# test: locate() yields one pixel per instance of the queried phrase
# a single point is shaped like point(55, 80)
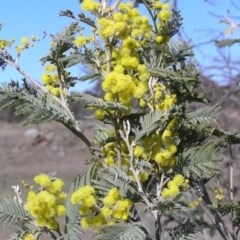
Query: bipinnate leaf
point(35, 104)
point(149, 123)
point(121, 231)
point(205, 115)
point(62, 42)
point(226, 42)
point(72, 226)
point(87, 100)
point(11, 211)
point(200, 160)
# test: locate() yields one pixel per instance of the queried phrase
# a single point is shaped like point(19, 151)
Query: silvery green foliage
point(200, 160)
point(72, 228)
point(186, 231)
point(148, 123)
point(122, 231)
point(28, 228)
point(226, 42)
point(206, 115)
point(33, 103)
point(11, 211)
point(87, 100)
point(62, 42)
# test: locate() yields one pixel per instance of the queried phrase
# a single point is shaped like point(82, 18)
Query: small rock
point(31, 133)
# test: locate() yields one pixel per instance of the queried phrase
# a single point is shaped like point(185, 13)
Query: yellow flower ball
point(24, 40)
point(29, 236)
point(164, 15)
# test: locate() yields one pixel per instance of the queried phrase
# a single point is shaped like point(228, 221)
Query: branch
point(75, 129)
point(231, 179)
point(127, 128)
point(220, 225)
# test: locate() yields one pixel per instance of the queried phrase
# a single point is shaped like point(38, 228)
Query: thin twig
point(37, 84)
point(49, 233)
point(158, 231)
point(119, 148)
point(115, 6)
point(150, 12)
point(75, 129)
point(231, 180)
point(127, 128)
point(209, 216)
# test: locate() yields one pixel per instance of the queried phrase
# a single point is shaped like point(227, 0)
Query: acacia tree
point(160, 155)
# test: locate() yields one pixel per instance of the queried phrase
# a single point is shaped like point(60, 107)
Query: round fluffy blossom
point(112, 197)
point(164, 15)
point(50, 68)
point(19, 49)
point(173, 186)
point(121, 211)
point(80, 41)
point(84, 196)
point(46, 205)
point(24, 40)
point(29, 236)
point(3, 43)
point(42, 179)
point(90, 5)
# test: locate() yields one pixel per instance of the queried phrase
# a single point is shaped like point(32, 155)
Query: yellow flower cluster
point(113, 207)
point(110, 155)
point(127, 78)
point(165, 14)
point(166, 157)
point(25, 44)
point(29, 236)
point(48, 204)
point(219, 193)
point(90, 6)
point(173, 186)
point(126, 75)
point(161, 99)
point(116, 207)
point(24, 40)
point(4, 43)
point(82, 40)
point(85, 196)
point(159, 147)
point(51, 81)
point(195, 203)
